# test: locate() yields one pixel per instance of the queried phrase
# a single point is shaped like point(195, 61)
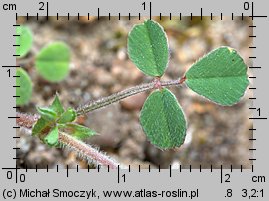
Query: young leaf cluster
point(52, 63)
point(220, 76)
point(55, 119)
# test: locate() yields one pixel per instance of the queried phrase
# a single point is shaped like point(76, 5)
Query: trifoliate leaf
point(148, 48)
point(78, 131)
point(52, 138)
point(47, 113)
point(163, 120)
point(25, 87)
point(68, 116)
point(56, 106)
point(220, 76)
point(52, 62)
point(24, 39)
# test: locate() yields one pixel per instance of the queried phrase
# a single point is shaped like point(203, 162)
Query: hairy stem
point(85, 151)
point(26, 120)
point(102, 102)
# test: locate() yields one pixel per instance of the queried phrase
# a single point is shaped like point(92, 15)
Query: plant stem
point(86, 151)
point(26, 120)
point(102, 102)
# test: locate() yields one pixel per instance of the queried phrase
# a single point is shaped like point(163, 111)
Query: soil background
point(100, 66)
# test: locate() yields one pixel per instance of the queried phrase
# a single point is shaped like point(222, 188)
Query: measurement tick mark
point(252, 139)
point(11, 66)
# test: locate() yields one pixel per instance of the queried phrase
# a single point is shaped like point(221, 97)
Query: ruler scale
point(137, 183)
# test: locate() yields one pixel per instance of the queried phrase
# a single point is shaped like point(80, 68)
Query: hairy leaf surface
point(163, 120)
point(220, 76)
point(148, 48)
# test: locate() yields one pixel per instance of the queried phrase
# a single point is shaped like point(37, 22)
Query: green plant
point(52, 63)
point(25, 89)
point(220, 76)
point(54, 119)
point(24, 40)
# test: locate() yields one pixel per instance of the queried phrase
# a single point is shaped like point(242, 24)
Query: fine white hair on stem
point(102, 102)
point(86, 151)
